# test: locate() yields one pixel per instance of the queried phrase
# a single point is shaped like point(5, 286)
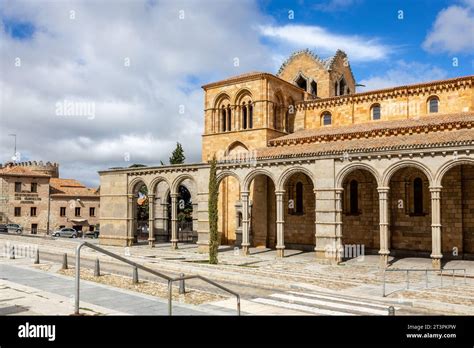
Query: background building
point(29, 190)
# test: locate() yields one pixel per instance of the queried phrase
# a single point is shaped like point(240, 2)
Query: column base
point(436, 262)
point(383, 259)
point(151, 242)
point(245, 249)
point(280, 252)
point(174, 244)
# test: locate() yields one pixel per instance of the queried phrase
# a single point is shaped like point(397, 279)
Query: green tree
point(177, 157)
point(213, 213)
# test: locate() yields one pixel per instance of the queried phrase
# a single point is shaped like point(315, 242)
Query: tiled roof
point(70, 187)
point(15, 170)
point(374, 128)
point(399, 142)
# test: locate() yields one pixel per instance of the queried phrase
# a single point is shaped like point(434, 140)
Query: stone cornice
point(249, 77)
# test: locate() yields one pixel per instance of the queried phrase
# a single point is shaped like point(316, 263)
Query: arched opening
point(223, 120)
point(262, 212)
point(342, 86)
point(229, 222)
point(161, 221)
point(244, 116)
point(301, 82)
point(326, 119)
point(457, 211)
point(250, 112)
point(299, 212)
point(290, 116)
point(410, 212)
point(360, 214)
point(140, 212)
point(186, 212)
point(314, 88)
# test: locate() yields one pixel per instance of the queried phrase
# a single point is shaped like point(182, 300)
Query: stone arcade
point(307, 163)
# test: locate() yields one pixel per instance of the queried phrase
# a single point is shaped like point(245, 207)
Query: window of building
point(34, 228)
point(34, 187)
point(433, 104)
point(33, 211)
point(17, 211)
point(418, 196)
point(244, 116)
point(250, 115)
point(326, 119)
point(18, 187)
point(342, 86)
point(62, 211)
point(223, 120)
point(376, 112)
point(336, 89)
point(354, 197)
point(314, 88)
point(77, 211)
point(62, 226)
point(302, 83)
point(91, 228)
point(229, 119)
point(299, 198)
point(91, 211)
point(275, 117)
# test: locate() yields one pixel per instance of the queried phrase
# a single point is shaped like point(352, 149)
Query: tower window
point(299, 198)
point(433, 104)
point(342, 86)
point(302, 83)
point(244, 116)
point(229, 119)
point(376, 112)
point(250, 116)
point(418, 196)
point(314, 88)
point(275, 117)
point(326, 119)
point(223, 120)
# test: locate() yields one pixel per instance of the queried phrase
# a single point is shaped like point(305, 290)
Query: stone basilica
point(307, 163)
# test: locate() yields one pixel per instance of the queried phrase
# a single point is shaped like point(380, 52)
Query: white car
point(66, 232)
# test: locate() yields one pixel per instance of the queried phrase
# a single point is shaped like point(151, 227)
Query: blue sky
point(76, 51)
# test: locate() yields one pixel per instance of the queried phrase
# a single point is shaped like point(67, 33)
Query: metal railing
point(169, 279)
point(440, 271)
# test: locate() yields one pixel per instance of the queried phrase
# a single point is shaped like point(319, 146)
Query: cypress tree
point(177, 157)
point(213, 213)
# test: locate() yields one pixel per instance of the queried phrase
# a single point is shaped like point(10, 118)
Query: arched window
point(336, 88)
point(250, 115)
point(275, 117)
point(287, 121)
point(418, 196)
point(342, 86)
point(229, 118)
point(244, 116)
point(354, 197)
point(223, 120)
point(433, 104)
point(376, 112)
point(314, 88)
point(299, 198)
point(301, 82)
point(326, 119)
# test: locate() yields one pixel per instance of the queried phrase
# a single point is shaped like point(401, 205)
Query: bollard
point(391, 310)
point(64, 266)
point(182, 289)
point(97, 268)
point(135, 275)
point(12, 252)
point(37, 257)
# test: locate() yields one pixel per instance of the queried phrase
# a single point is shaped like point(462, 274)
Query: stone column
point(244, 197)
point(436, 254)
point(174, 220)
point(131, 220)
point(280, 246)
point(384, 251)
point(338, 247)
point(151, 220)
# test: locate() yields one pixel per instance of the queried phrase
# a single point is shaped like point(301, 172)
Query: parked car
point(92, 234)
point(14, 228)
point(66, 232)
point(3, 228)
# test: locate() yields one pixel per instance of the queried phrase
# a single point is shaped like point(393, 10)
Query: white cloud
point(136, 107)
point(403, 73)
point(324, 42)
point(453, 30)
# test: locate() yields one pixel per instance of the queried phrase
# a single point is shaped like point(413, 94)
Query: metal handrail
point(407, 270)
point(146, 269)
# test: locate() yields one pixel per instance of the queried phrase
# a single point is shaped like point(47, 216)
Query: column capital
point(279, 192)
point(174, 195)
point(339, 189)
point(435, 188)
point(151, 196)
point(244, 194)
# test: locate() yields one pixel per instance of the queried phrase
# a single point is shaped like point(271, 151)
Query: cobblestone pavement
point(264, 279)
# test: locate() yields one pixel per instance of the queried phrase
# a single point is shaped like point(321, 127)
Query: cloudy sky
point(106, 83)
